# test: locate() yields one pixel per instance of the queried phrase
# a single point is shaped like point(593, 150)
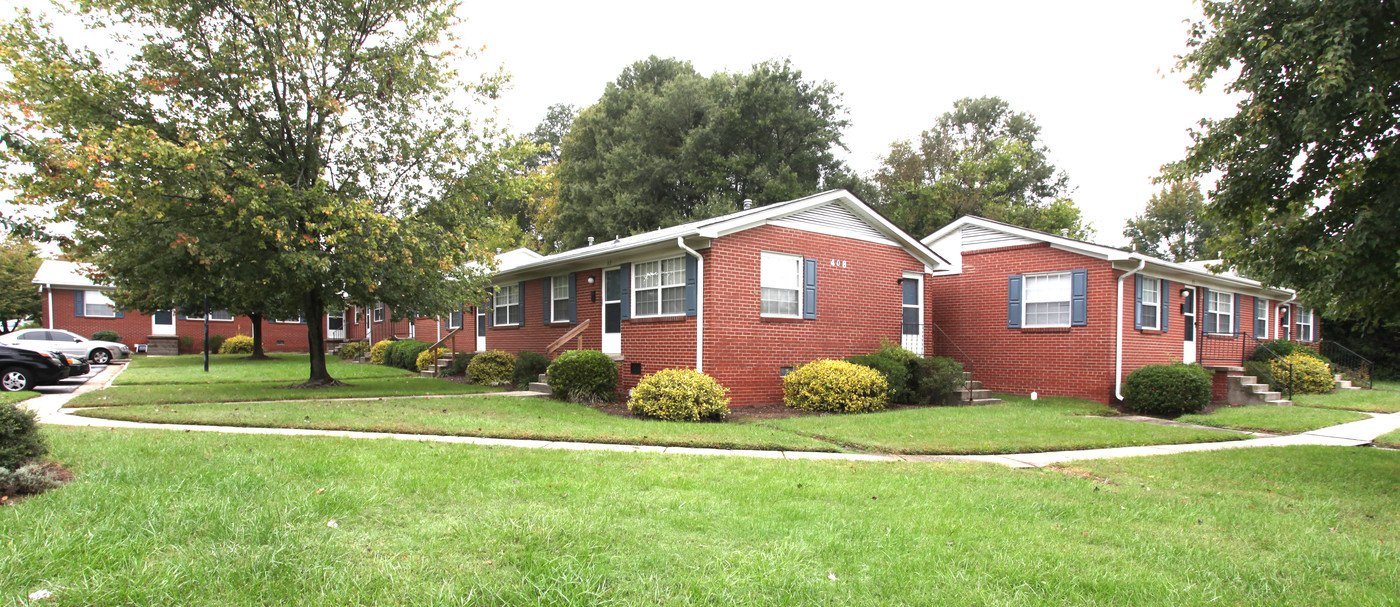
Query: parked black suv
point(22, 369)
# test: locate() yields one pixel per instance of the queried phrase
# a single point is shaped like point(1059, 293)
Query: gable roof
point(58, 273)
point(1191, 272)
point(839, 206)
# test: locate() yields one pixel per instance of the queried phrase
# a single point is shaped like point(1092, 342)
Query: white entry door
point(911, 330)
point(1188, 340)
point(163, 323)
point(612, 311)
point(335, 326)
point(480, 329)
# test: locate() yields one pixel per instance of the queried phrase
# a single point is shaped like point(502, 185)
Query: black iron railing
point(1223, 349)
point(1351, 366)
point(1262, 362)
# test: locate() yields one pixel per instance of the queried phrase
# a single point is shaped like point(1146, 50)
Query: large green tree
point(314, 151)
point(1309, 166)
point(1176, 225)
point(665, 145)
point(981, 158)
point(19, 299)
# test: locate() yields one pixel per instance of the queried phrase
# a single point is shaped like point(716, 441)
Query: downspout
point(1118, 363)
point(699, 304)
point(50, 290)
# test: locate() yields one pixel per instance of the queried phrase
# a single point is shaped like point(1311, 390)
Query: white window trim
point(450, 327)
point(632, 287)
point(1156, 284)
point(498, 304)
point(378, 314)
point(1305, 324)
point(87, 297)
point(1266, 305)
point(1228, 313)
point(800, 285)
point(554, 299)
point(1026, 300)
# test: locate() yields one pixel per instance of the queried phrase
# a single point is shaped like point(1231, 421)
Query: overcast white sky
point(1097, 75)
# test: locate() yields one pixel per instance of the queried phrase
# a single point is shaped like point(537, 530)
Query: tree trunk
point(316, 342)
point(258, 353)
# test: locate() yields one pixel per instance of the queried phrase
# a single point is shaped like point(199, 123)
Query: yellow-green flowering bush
point(426, 357)
point(679, 395)
point(1310, 375)
point(238, 344)
point(376, 353)
point(491, 368)
point(836, 386)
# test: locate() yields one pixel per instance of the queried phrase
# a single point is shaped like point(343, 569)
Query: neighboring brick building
point(1038, 312)
point(743, 297)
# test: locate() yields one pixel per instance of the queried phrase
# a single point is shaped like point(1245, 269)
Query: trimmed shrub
point(20, 440)
point(107, 335)
point(352, 350)
point(216, 343)
point(1283, 348)
point(428, 356)
point(937, 378)
point(683, 395)
point(528, 367)
point(460, 361)
point(1167, 390)
point(238, 344)
point(896, 373)
point(491, 368)
point(404, 354)
point(836, 386)
point(377, 351)
point(1309, 374)
point(583, 376)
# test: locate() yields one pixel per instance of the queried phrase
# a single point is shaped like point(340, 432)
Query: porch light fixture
point(1186, 292)
point(590, 280)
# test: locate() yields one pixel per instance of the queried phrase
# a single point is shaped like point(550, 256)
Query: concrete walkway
point(51, 411)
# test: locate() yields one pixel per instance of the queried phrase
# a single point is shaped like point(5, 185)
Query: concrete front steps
point(443, 362)
point(1343, 384)
point(972, 393)
point(542, 386)
point(1246, 390)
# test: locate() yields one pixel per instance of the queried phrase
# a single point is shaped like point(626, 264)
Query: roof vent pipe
point(748, 203)
point(590, 241)
point(498, 250)
point(1064, 232)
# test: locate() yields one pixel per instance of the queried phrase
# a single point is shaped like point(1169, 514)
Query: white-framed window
point(454, 320)
point(291, 321)
point(1261, 318)
point(658, 288)
point(1305, 325)
point(507, 306)
point(96, 303)
point(1221, 305)
point(559, 299)
point(780, 285)
point(220, 315)
point(1151, 303)
point(1047, 300)
point(378, 312)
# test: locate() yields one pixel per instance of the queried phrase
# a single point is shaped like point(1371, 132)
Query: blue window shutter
point(548, 291)
point(1211, 319)
point(1013, 302)
point(692, 278)
point(1236, 318)
point(573, 298)
point(1137, 302)
point(1164, 301)
point(522, 303)
point(1079, 298)
point(120, 314)
point(809, 289)
point(625, 271)
point(78, 303)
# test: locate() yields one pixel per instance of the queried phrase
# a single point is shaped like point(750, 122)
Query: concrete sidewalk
point(50, 410)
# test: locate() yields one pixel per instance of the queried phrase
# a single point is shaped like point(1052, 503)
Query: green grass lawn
point(211, 393)
point(1389, 439)
point(231, 368)
point(1019, 425)
point(14, 397)
point(1273, 418)
point(166, 518)
point(1385, 398)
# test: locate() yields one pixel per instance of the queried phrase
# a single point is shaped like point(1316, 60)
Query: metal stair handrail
point(1360, 366)
point(1262, 367)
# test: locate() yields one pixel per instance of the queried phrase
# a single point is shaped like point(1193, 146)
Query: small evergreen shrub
point(107, 335)
point(491, 368)
point(583, 376)
point(427, 357)
point(528, 367)
point(1167, 390)
point(33, 479)
point(404, 354)
point(837, 386)
point(895, 372)
point(20, 440)
point(1309, 375)
point(352, 350)
point(216, 343)
point(238, 344)
point(683, 395)
point(1283, 348)
point(460, 361)
point(377, 351)
point(937, 378)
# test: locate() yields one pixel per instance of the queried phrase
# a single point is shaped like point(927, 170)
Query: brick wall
point(134, 327)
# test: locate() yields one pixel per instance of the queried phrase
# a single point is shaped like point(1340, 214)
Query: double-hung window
point(1305, 325)
point(1261, 318)
point(378, 312)
point(658, 288)
point(508, 305)
point(559, 299)
point(96, 303)
point(454, 320)
point(1047, 300)
point(220, 315)
point(780, 285)
point(1151, 303)
point(1222, 307)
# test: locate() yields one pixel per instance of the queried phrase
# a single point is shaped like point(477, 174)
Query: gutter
point(699, 304)
point(1118, 361)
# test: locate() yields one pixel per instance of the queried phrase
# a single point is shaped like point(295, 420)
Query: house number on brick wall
point(838, 263)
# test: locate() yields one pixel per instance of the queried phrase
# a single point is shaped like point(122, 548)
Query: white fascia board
point(1190, 276)
point(603, 259)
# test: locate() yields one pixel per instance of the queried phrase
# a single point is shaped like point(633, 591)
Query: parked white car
point(57, 340)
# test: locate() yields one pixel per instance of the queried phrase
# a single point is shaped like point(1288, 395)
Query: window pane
point(612, 285)
point(1047, 287)
point(1149, 292)
point(673, 300)
point(780, 271)
point(646, 275)
point(778, 301)
point(1149, 316)
point(911, 292)
point(92, 309)
point(647, 304)
point(1048, 314)
point(673, 272)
